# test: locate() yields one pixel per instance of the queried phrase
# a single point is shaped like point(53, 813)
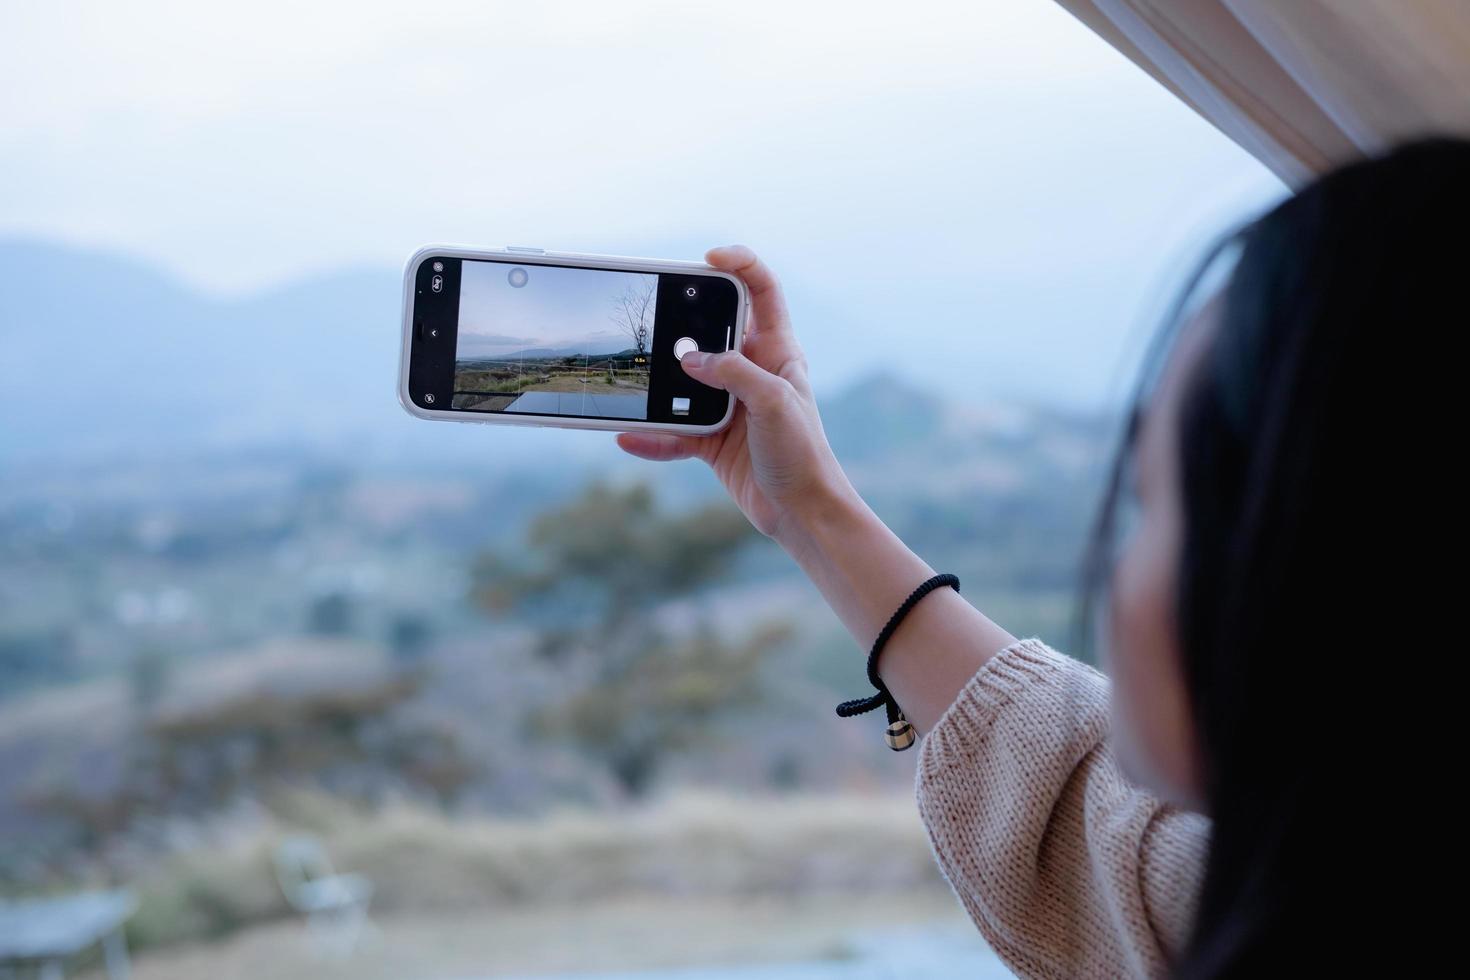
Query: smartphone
point(523, 336)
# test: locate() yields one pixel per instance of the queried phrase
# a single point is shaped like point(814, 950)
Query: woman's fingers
point(659, 446)
point(762, 392)
point(765, 291)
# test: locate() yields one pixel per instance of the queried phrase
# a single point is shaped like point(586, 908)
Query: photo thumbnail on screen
point(551, 340)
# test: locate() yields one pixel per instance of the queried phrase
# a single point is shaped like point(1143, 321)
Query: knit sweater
point(1067, 869)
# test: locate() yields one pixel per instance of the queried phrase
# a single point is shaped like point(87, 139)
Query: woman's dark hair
point(1319, 566)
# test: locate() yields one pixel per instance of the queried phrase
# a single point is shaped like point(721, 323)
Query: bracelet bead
point(900, 735)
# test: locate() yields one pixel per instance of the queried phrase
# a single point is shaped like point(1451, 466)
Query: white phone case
point(537, 256)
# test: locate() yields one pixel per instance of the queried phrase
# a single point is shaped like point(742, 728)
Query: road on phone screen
point(552, 387)
point(581, 403)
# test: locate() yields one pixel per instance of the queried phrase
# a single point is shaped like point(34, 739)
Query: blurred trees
point(350, 736)
point(644, 680)
point(149, 674)
point(409, 635)
point(35, 657)
point(330, 614)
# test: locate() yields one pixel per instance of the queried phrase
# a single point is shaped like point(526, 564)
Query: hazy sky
point(555, 308)
point(981, 194)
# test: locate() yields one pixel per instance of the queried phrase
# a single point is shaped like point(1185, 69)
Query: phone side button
point(525, 249)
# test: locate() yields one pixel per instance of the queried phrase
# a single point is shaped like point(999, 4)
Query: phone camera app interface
point(535, 338)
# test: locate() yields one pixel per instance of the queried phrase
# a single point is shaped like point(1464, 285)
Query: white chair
point(335, 905)
point(40, 935)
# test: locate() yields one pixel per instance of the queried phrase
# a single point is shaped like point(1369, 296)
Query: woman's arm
point(864, 571)
point(776, 464)
point(1066, 869)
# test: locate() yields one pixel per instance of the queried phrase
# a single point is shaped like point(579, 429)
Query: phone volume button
point(525, 249)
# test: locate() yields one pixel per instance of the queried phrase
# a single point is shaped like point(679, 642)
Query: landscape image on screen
point(553, 341)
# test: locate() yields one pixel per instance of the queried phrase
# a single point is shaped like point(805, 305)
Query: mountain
point(102, 357)
point(105, 358)
point(102, 354)
point(537, 353)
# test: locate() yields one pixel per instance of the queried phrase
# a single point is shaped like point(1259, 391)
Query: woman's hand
point(773, 458)
point(775, 462)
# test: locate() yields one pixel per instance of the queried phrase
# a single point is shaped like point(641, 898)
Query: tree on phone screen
point(633, 311)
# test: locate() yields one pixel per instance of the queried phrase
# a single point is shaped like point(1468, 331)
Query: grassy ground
point(688, 849)
point(565, 381)
point(625, 935)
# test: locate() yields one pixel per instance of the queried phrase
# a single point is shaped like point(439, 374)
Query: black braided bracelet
point(900, 734)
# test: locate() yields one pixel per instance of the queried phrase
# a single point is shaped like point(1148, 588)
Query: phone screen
point(520, 338)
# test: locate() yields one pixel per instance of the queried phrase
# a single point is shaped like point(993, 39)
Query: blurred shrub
point(408, 637)
point(206, 895)
point(330, 615)
point(191, 761)
point(31, 658)
point(596, 569)
point(149, 673)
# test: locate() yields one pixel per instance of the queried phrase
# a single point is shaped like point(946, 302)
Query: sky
point(555, 308)
point(980, 195)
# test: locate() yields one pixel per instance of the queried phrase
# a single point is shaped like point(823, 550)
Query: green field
point(598, 376)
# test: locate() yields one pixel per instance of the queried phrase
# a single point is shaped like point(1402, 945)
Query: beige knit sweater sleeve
point(1066, 868)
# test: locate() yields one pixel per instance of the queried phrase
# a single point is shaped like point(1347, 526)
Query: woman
point(1238, 799)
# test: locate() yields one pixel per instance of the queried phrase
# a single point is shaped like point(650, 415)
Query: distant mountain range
point(541, 353)
point(104, 355)
point(105, 358)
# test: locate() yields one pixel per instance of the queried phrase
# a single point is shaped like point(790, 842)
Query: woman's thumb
point(732, 371)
